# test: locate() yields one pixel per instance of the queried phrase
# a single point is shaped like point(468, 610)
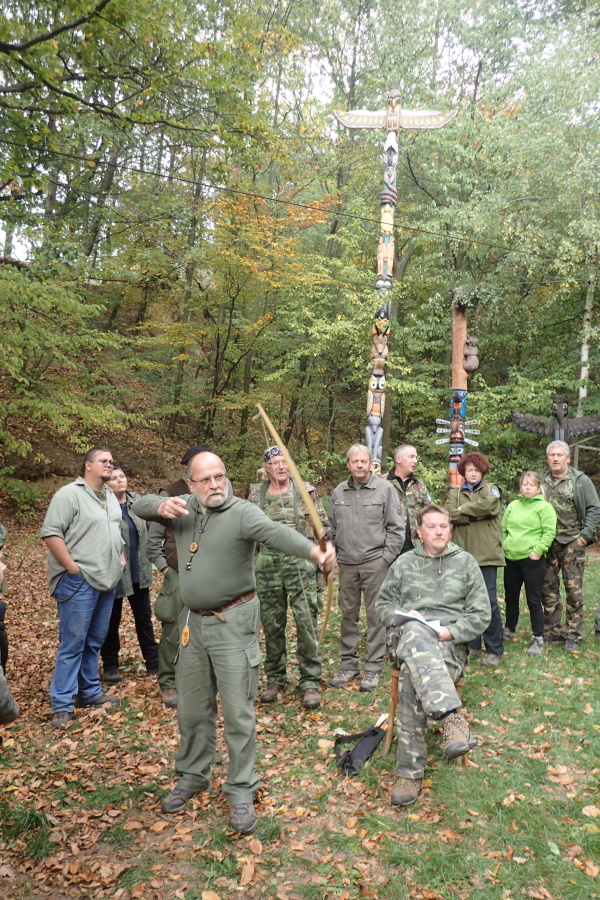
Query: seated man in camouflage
point(436, 580)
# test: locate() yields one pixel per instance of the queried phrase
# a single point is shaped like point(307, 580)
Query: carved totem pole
point(392, 120)
point(465, 360)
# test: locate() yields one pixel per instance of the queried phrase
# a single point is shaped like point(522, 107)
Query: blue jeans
point(83, 615)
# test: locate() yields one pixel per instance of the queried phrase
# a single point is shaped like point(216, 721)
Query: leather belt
point(231, 605)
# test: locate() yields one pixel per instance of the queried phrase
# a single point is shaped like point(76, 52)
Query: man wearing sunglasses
point(215, 533)
point(82, 531)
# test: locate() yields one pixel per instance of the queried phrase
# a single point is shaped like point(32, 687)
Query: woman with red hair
point(474, 509)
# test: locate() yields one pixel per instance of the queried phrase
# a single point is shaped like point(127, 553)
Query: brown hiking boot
point(457, 738)
point(311, 699)
point(406, 791)
point(169, 698)
point(271, 692)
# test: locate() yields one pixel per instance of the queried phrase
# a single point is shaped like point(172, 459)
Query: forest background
point(188, 231)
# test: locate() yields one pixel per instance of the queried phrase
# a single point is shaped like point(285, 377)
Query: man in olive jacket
point(576, 504)
point(219, 651)
point(435, 581)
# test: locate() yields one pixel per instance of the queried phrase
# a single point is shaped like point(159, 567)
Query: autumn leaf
point(255, 846)
point(591, 811)
point(247, 873)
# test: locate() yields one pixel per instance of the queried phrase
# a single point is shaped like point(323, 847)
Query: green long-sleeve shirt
point(222, 569)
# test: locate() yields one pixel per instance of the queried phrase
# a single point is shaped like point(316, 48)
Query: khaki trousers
point(221, 658)
point(364, 579)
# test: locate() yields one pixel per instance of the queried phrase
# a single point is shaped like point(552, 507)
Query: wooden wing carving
point(361, 118)
point(424, 119)
point(533, 424)
point(583, 425)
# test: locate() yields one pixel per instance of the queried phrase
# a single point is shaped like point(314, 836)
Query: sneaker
point(169, 698)
point(272, 692)
point(370, 681)
point(112, 676)
point(491, 660)
point(243, 818)
point(176, 800)
point(60, 720)
point(536, 647)
point(98, 703)
point(343, 677)
point(311, 699)
point(406, 791)
point(458, 738)
point(571, 645)
point(509, 635)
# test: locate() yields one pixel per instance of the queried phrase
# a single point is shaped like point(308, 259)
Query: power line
point(451, 236)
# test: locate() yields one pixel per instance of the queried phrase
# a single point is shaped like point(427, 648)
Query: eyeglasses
point(219, 478)
point(105, 462)
point(277, 465)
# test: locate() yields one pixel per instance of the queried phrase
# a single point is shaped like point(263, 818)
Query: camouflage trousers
point(428, 671)
point(281, 579)
point(568, 560)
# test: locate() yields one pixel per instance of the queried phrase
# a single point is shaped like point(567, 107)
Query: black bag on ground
point(365, 742)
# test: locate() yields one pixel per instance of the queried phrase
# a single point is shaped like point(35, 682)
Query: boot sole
point(456, 749)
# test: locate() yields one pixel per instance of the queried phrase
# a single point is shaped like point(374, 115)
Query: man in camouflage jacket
point(281, 579)
point(412, 492)
point(436, 581)
point(577, 508)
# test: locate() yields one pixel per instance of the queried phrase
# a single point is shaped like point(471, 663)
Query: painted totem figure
point(465, 359)
point(392, 120)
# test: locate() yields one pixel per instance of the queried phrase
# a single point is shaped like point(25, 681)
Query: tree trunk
point(91, 237)
point(189, 284)
point(585, 344)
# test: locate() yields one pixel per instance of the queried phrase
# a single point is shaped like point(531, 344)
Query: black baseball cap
point(194, 451)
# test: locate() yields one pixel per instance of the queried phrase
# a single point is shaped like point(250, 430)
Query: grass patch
point(136, 874)
point(117, 836)
point(268, 830)
point(108, 796)
point(217, 868)
point(26, 830)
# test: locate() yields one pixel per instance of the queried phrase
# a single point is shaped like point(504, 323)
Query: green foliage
point(25, 496)
point(200, 235)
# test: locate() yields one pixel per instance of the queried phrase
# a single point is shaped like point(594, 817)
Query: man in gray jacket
point(216, 533)
point(367, 530)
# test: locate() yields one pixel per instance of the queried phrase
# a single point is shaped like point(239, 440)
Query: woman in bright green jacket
point(528, 527)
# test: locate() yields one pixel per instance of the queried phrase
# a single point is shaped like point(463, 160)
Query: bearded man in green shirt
point(216, 533)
